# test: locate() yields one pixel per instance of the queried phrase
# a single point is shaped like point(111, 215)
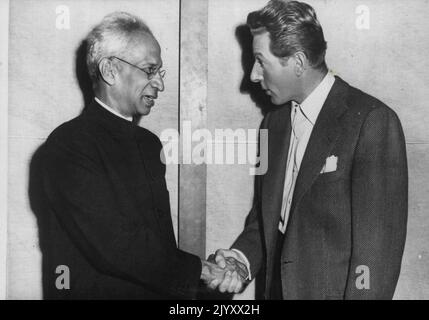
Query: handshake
point(225, 270)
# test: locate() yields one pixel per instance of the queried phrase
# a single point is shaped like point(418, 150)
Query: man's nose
point(256, 74)
point(157, 82)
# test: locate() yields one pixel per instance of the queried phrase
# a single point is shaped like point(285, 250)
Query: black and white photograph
point(214, 150)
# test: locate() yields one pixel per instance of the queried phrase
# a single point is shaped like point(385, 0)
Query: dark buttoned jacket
point(107, 213)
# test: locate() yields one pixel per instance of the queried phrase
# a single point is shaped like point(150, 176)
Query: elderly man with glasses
point(107, 205)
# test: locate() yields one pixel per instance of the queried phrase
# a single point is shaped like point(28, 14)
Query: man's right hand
point(238, 273)
point(213, 275)
point(210, 271)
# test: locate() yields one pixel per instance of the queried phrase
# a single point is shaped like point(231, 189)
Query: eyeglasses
point(151, 72)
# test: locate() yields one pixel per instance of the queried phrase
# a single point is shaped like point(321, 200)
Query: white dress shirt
point(110, 109)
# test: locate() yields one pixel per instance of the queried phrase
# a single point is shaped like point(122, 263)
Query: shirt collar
point(312, 105)
point(110, 109)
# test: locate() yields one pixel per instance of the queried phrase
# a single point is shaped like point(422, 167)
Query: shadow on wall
point(38, 206)
point(82, 74)
point(35, 189)
point(258, 96)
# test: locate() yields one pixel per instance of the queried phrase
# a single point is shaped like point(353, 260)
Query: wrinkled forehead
point(145, 48)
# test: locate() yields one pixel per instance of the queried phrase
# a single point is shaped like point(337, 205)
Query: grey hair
point(111, 37)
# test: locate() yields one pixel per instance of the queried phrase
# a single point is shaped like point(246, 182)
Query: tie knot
point(295, 105)
point(296, 111)
point(298, 120)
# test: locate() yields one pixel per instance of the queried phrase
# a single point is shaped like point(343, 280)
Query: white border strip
point(4, 48)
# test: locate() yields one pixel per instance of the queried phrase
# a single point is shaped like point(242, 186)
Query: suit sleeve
point(83, 201)
point(250, 241)
point(379, 207)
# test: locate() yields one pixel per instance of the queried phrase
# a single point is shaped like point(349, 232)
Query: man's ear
point(108, 71)
point(301, 63)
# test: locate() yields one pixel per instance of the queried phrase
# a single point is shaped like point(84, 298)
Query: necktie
point(292, 165)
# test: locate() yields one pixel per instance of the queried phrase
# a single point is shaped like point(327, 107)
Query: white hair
point(111, 38)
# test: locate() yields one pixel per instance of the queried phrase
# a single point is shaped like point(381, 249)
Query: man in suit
point(329, 216)
point(107, 214)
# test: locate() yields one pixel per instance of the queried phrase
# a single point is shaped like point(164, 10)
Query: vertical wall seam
point(4, 55)
point(178, 120)
point(193, 102)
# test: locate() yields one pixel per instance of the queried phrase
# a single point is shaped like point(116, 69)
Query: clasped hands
point(225, 271)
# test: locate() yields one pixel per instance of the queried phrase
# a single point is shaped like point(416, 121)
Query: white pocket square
point(330, 164)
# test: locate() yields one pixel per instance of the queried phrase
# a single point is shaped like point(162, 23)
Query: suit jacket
point(341, 223)
point(107, 214)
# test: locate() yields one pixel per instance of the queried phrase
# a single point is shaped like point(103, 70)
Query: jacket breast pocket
point(331, 176)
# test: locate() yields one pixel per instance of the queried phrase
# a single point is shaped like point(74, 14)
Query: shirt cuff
point(245, 261)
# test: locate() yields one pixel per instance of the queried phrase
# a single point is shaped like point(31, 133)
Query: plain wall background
point(44, 92)
point(388, 61)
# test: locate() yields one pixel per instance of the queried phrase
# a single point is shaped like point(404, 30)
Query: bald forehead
point(144, 41)
point(144, 46)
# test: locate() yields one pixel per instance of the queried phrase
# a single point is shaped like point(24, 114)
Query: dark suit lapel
point(322, 139)
point(278, 147)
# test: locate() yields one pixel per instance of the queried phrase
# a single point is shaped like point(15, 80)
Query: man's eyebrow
point(156, 65)
point(145, 63)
